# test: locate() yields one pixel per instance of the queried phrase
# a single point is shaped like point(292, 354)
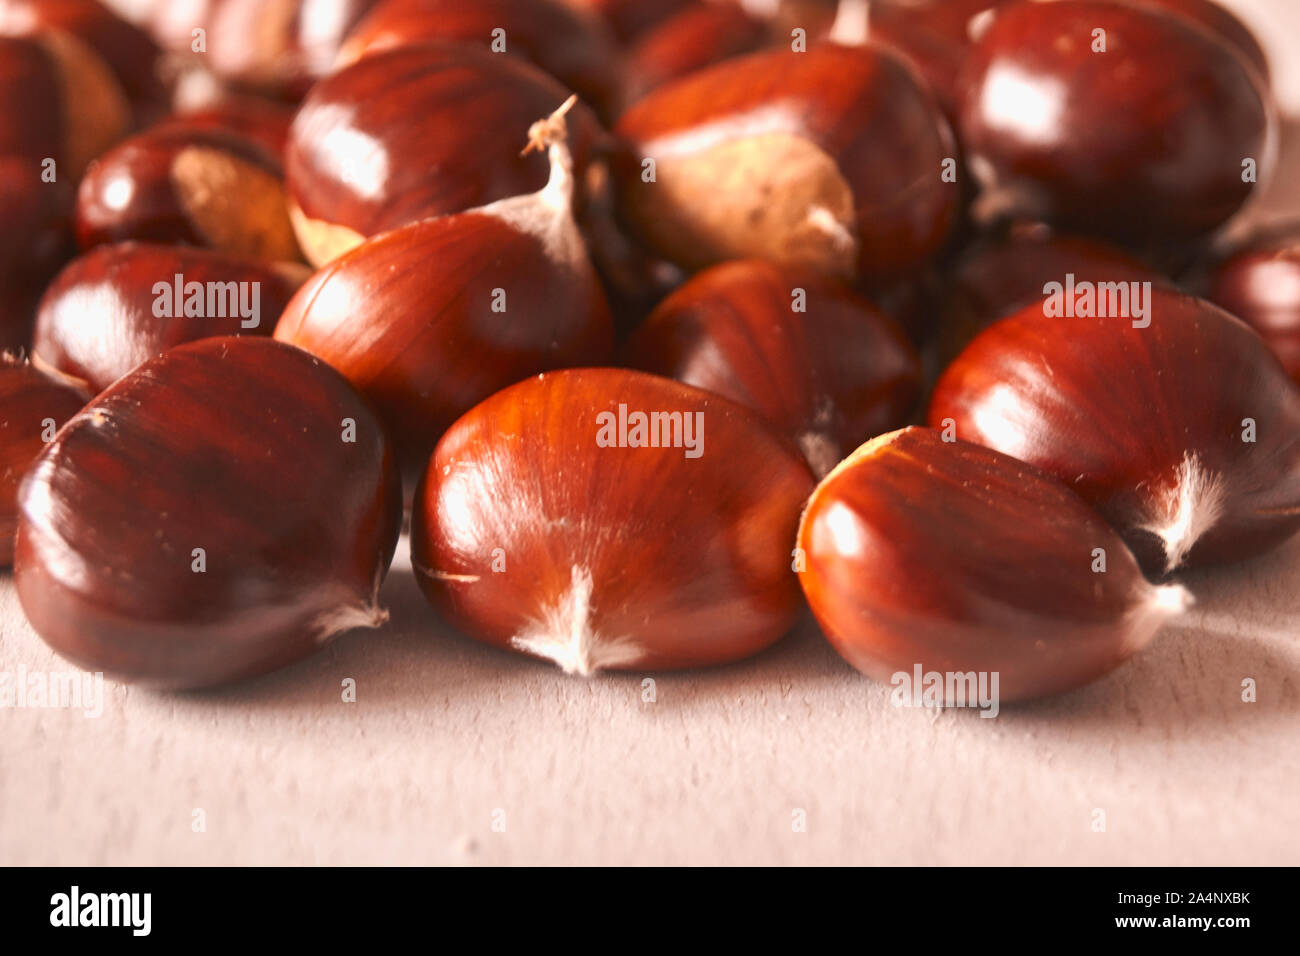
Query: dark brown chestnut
point(60, 102)
point(1122, 121)
point(573, 46)
point(126, 49)
point(1165, 413)
point(608, 519)
point(831, 159)
point(924, 556)
point(33, 406)
point(120, 305)
point(822, 364)
point(1002, 273)
point(225, 509)
point(413, 133)
point(1259, 283)
point(698, 36)
point(188, 184)
point(429, 319)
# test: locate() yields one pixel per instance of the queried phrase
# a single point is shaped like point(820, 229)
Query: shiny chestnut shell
point(1259, 283)
point(199, 186)
point(1152, 425)
point(233, 445)
point(410, 318)
point(413, 133)
point(575, 48)
point(100, 318)
point(955, 559)
point(827, 377)
point(1143, 143)
point(33, 406)
point(1001, 274)
point(830, 158)
point(529, 534)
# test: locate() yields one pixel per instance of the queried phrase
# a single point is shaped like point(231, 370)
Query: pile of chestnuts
point(660, 323)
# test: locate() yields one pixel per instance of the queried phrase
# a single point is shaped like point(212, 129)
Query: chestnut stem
point(564, 634)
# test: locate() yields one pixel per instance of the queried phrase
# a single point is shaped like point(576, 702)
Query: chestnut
point(1002, 273)
point(1168, 415)
point(698, 36)
point(1147, 141)
point(822, 364)
point(59, 101)
point(432, 318)
point(33, 406)
point(609, 519)
point(188, 184)
point(173, 533)
point(128, 51)
point(949, 558)
point(571, 45)
point(1259, 283)
point(119, 305)
point(412, 133)
point(830, 159)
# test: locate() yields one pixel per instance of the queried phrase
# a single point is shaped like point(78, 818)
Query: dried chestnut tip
point(1169, 416)
point(956, 558)
point(543, 526)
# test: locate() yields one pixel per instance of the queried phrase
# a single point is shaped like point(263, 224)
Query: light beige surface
point(447, 737)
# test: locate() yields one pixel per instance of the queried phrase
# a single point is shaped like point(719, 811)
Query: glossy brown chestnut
point(542, 526)
point(432, 318)
point(59, 101)
point(118, 306)
point(830, 159)
point(952, 559)
point(698, 36)
point(225, 509)
point(573, 46)
point(413, 133)
point(1003, 273)
point(823, 365)
point(276, 47)
point(1259, 283)
point(127, 50)
point(1184, 432)
point(33, 406)
point(188, 184)
point(1147, 142)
